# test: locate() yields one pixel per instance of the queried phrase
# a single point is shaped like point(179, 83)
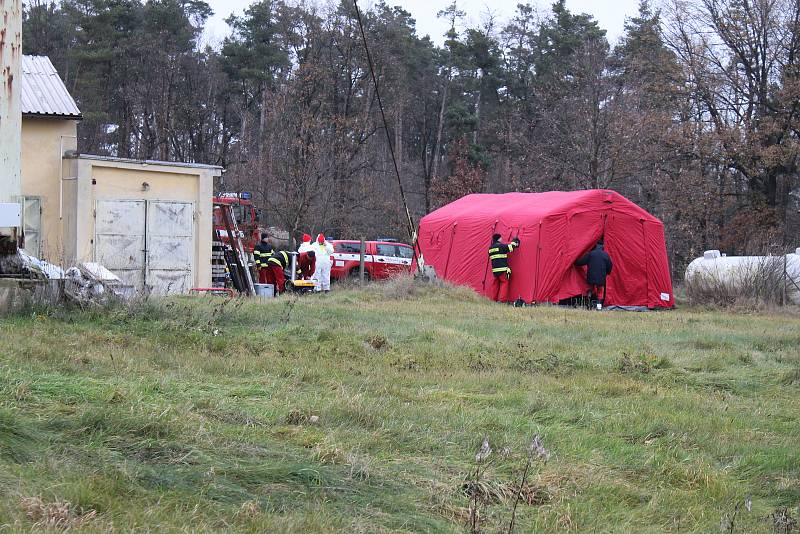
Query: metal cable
point(411, 232)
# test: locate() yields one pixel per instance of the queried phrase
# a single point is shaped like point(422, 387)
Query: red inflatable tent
point(555, 229)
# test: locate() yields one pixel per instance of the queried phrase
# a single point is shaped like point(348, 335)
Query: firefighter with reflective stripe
point(261, 253)
point(501, 272)
point(277, 262)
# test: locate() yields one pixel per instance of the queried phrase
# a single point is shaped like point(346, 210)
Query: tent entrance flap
point(625, 243)
point(585, 229)
point(524, 263)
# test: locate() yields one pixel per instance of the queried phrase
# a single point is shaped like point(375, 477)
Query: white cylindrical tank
point(741, 270)
point(10, 110)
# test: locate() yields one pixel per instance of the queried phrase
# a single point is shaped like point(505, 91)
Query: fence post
point(361, 262)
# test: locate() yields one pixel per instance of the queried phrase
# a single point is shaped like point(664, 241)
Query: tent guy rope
point(411, 231)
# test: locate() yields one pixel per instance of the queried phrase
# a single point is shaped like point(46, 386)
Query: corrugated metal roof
point(43, 92)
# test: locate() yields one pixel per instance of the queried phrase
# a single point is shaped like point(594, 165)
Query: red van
point(382, 259)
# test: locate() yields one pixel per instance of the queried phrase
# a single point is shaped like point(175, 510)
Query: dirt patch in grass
point(59, 515)
point(378, 342)
point(492, 492)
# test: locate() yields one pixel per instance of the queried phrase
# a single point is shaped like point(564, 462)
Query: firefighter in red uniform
point(261, 253)
point(306, 262)
point(498, 254)
point(277, 262)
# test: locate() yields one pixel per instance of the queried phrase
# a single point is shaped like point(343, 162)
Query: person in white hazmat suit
point(322, 271)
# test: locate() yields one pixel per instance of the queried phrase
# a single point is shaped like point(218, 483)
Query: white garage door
point(170, 246)
point(148, 244)
point(119, 242)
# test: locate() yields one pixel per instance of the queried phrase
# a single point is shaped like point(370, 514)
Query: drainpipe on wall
point(61, 174)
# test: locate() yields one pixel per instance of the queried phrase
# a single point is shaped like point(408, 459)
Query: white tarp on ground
point(37, 266)
point(98, 272)
point(88, 282)
point(93, 283)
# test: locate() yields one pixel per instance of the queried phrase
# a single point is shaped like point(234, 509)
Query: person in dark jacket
point(261, 253)
point(599, 266)
point(501, 272)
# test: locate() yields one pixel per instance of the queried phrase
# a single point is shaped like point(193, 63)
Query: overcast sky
point(610, 14)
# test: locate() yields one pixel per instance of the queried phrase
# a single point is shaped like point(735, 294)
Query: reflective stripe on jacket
point(261, 254)
point(498, 254)
point(280, 258)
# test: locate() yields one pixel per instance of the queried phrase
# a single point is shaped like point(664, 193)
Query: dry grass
point(363, 413)
point(403, 287)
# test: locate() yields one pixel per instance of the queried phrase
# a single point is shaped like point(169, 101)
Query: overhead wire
point(411, 231)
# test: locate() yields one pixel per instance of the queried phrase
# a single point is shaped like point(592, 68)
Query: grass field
point(362, 411)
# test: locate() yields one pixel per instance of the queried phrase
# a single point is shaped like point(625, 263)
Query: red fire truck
point(247, 218)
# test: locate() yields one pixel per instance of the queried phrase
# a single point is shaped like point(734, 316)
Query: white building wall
point(10, 110)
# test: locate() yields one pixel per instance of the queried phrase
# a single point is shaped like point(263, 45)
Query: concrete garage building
point(150, 222)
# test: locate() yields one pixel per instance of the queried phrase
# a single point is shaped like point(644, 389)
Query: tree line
point(694, 113)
